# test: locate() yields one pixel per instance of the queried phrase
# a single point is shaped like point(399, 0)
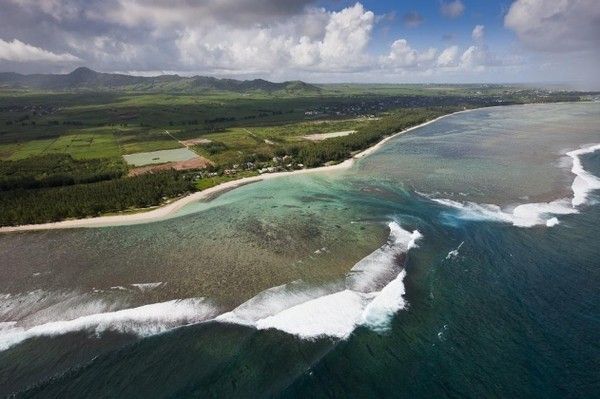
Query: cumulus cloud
point(556, 25)
point(18, 51)
point(346, 35)
point(478, 32)
point(475, 58)
point(337, 44)
point(273, 39)
point(448, 57)
point(402, 55)
point(452, 9)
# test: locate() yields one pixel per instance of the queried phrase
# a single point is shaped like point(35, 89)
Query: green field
point(158, 157)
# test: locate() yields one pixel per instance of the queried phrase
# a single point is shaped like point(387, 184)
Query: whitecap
point(297, 308)
point(274, 300)
point(584, 181)
point(525, 215)
point(374, 293)
point(147, 286)
point(334, 315)
point(141, 321)
point(454, 253)
point(534, 214)
point(386, 303)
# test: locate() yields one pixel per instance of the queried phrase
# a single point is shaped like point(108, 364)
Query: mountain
point(86, 79)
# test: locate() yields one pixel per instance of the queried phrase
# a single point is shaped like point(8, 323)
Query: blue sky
point(314, 40)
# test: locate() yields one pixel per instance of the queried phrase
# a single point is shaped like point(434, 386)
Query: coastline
point(164, 211)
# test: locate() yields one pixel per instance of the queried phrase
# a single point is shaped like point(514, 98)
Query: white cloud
point(474, 58)
point(18, 51)
point(171, 13)
point(452, 9)
point(448, 57)
point(338, 44)
point(478, 32)
point(277, 39)
point(556, 25)
point(60, 10)
point(401, 55)
point(347, 35)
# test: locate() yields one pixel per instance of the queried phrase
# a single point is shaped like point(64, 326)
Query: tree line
point(47, 204)
point(52, 170)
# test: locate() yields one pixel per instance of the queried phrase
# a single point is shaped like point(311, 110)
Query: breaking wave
point(584, 181)
point(534, 214)
point(525, 215)
point(373, 292)
point(141, 321)
point(369, 296)
point(454, 253)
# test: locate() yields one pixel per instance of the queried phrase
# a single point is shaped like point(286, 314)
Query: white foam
point(39, 306)
point(552, 222)
point(296, 308)
point(379, 311)
point(309, 313)
point(525, 215)
point(147, 286)
point(273, 301)
point(454, 253)
point(366, 274)
point(334, 315)
point(534, 214)
point(142, 321)
point(584, 181)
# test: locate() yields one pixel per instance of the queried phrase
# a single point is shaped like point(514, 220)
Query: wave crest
point(374, 293)
point(369, 295)
point(534, 214)
point(141, 321)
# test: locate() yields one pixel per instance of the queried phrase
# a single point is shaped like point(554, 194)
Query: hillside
point(86, 79)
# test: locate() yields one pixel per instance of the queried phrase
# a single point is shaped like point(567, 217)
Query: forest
point(50, 204)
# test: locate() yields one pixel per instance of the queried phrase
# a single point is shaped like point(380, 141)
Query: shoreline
point(164, 211)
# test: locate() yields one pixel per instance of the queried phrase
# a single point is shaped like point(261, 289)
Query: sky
point(393, 41)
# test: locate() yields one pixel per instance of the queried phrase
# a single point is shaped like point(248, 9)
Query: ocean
point(459, 260)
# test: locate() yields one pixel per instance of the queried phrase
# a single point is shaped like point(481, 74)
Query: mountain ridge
point(84, 78)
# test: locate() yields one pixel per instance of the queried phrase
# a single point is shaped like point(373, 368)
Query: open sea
point(461, 259)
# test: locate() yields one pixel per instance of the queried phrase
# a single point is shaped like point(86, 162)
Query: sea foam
point(370, 295)
point(524, 215)
point(534, 214)
point(373, 294)
point(141, 321)
point(584, 181)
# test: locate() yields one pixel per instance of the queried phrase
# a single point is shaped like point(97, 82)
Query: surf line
point(538, 213)
point(370, 294)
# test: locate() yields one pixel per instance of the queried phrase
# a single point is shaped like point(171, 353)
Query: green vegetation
point(340, 148)
point(86, 79)
point(203, 184)
point(93, 199)
point(61, 152)
point(212, 148)
point(56, 170)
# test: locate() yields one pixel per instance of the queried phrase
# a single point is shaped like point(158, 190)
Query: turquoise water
point(321, 286)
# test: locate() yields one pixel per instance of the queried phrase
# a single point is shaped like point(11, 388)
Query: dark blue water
point(513, 312)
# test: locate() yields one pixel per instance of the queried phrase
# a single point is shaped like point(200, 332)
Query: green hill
point(86, 79)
